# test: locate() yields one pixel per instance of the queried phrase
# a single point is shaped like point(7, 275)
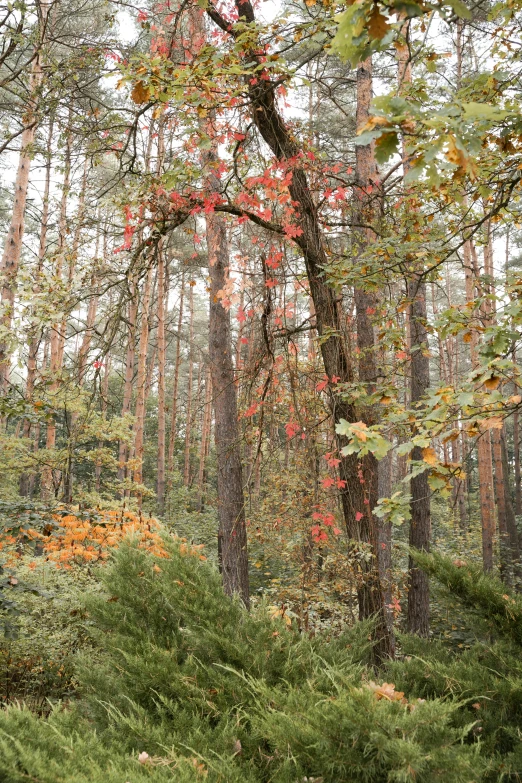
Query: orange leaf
point(429, 455)
point(140, 93)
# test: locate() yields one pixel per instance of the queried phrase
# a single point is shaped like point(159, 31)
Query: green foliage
point(487, 678)
point(207, 691)
point(36, 664)
point(478, 591)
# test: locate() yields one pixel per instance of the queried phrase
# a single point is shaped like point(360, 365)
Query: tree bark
point(50, 481)
point(130, 355)
point(231, 507)
point(174, 410)
point(190, 383)
point(13, 243)
point(282, 143)
point(160, 489)
point(35, 332)
point(205, 439)
point(418, 618)
point(141, 381)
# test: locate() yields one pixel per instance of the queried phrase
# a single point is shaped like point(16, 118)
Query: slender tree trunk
point(420, 524)
point(231, 509)
point(366, 174)
point(516, 449)
point(160, 489)
point(484, 461)
point(35, 331)
point(13, 243)
point(205, 439)
point(506, 566)
point(104, 404)
point(50, 481)
point(190, 381)
point(123, 449)
point(232, 534)
point(141, 382)
point(174, 409)
point(418, 619)
point(511, 523)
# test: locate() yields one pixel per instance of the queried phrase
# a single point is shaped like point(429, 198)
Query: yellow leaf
point(493, 423)
point(467, 337)
point(359, 429)
point(492, 383)
point(429, 455)
point(385, 400)
point(374, 122)
point(455, 155)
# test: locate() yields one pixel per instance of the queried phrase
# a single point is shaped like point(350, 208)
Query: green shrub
point(210, 692)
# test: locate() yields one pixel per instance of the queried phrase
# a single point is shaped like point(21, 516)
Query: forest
point(260, 391)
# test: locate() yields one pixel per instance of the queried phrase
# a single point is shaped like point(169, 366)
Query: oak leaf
point(429, 455)
point(378, 25)
point(140, 93)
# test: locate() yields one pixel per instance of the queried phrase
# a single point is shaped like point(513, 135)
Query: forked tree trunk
point(281, 142)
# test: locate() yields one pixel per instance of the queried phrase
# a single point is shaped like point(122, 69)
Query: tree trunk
point(231, 508)
point(366, 174)
point(104, 403)
point(160, 489)
point(329, 327)
point(500, 482)
point(205, 439)
point(35, 332)
point(141, 381)
point(123, 449)
point(13, 243)
point(50, 481)
point(190, 381)
point(516, 449)
point(418, 619)
point(420, 525)
point(484, 461)
point(174, 410)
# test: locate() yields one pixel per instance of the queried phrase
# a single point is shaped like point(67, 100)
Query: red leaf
point(292, 231)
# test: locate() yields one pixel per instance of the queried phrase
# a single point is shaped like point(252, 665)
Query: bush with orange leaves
point(89, 537)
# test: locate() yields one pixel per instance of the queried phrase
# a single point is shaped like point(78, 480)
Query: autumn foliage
point(77, 538)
